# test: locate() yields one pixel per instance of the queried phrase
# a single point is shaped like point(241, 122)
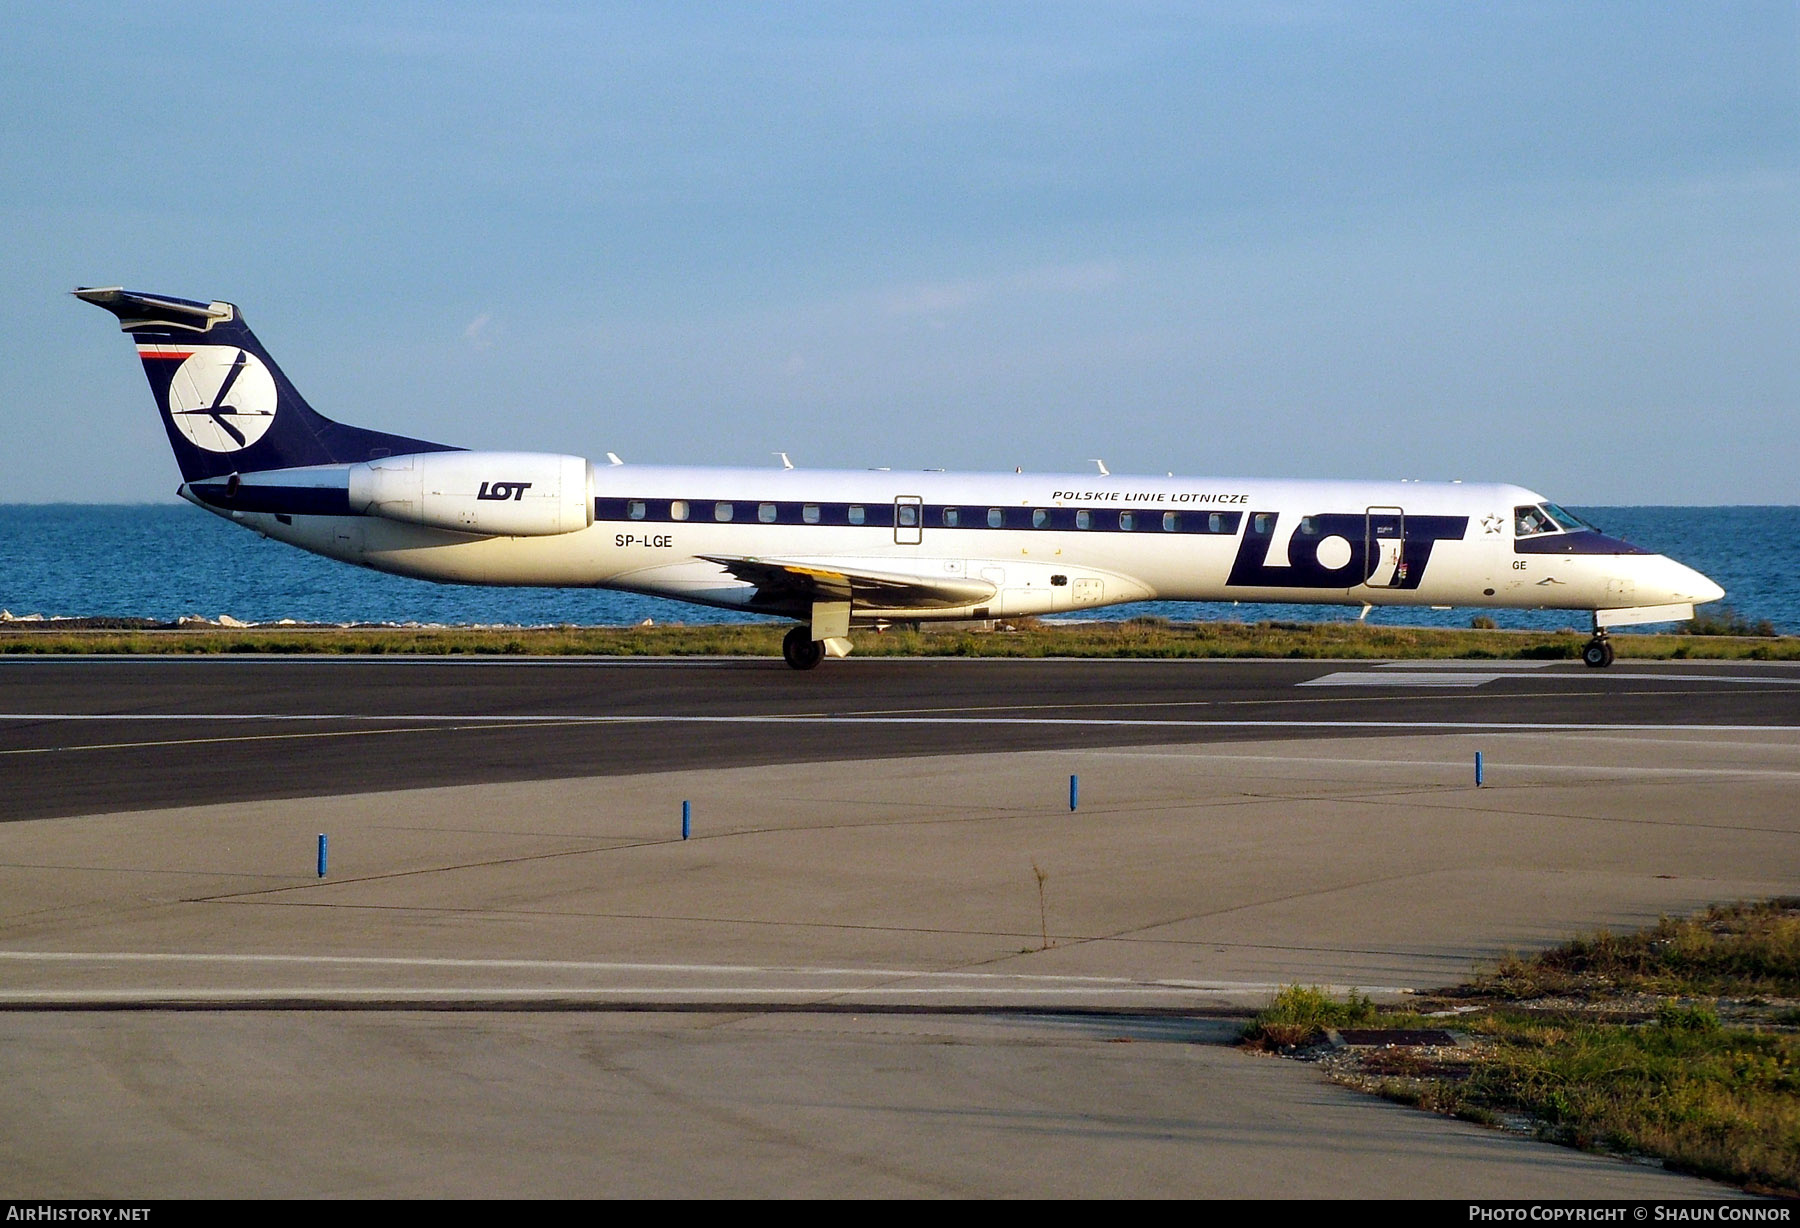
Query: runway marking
point(472, 720)
point(1477, 665)
point(1461, 766)
point(1459, 674)
point(830, 980)
point(1710, 678)
point(256, 737)
point(1277, 699)
point(541, 965)
point(574, 965)
point(1711, 742)
point(1371, 678)
point(650, 992)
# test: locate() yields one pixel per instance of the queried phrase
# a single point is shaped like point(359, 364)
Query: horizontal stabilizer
point(137, 310)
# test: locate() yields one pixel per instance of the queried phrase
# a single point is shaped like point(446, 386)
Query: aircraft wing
point(809, 580)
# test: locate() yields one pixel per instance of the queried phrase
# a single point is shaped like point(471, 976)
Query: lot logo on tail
point(222, 398)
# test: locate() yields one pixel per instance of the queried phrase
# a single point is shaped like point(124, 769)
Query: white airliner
point(836, 549)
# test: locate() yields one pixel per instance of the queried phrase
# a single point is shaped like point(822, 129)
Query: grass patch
point(1299, 1016)
point(736, 639)
point(1681, 1042)
point(1713, 1100)
point(1744, 950)
point(1138, 637)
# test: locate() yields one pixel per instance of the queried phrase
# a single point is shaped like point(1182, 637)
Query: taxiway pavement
point(888, 960)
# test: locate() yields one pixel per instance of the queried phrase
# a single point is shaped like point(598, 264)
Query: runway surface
point(96, 734)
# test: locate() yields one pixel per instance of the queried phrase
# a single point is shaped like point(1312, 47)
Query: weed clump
point(1751, 949)
point(1299, 1016)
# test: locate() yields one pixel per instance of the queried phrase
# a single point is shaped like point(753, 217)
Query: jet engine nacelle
point(511, 494)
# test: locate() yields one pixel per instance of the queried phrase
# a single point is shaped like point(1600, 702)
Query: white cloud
point(940, 298)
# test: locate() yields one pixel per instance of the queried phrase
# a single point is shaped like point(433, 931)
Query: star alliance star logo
point(1492, 524)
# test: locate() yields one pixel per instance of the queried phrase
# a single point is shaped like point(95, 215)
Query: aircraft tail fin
point(225, 404)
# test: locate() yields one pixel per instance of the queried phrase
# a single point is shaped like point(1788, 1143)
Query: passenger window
point(678, 509)
point(1215, 523)
point(996, 518)
point(634, 510)
point(765, 512)
point(1171, 522)
point(1309, 526)
point(1039, 518)
point(906, 515)
point(1084, 519)
point(722, 512)
point(1261, 523)
point(951, 517)
point(810, 513)
point(855, 513)
point(1127, 521)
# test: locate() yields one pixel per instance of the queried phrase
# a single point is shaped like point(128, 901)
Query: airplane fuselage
point(1028, 543)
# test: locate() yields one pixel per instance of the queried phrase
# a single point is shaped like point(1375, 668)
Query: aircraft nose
point(1684, 584)
point(1706, 590)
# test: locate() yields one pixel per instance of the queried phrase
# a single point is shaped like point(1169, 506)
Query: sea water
point(166, 561)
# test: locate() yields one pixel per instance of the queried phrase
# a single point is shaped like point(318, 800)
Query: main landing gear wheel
point(800, 650)
point(1599, 652)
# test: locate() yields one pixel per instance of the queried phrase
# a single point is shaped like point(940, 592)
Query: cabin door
point(1384, 547)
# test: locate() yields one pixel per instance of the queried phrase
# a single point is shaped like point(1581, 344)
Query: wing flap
point(831, 580)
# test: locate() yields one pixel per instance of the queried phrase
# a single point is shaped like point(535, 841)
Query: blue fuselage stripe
point(291, 500)
point(1584, 541)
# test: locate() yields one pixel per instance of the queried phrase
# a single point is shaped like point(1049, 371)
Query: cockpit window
point(1566, 521)
point(1530, 520)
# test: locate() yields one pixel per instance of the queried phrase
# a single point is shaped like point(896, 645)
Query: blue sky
point(1550, 243)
